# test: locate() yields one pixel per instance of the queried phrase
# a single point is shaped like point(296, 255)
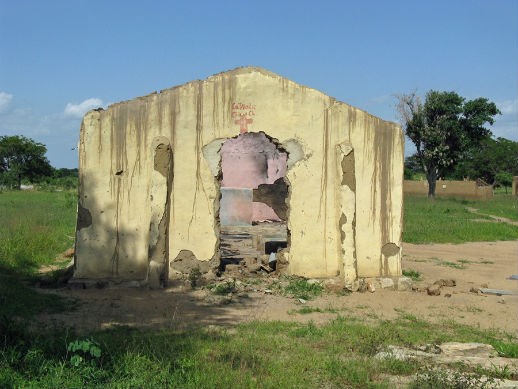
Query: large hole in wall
point(253, 208)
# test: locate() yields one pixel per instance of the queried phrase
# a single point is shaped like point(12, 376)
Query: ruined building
point(235, 167)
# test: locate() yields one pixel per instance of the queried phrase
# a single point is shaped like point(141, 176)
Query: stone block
point(404, 283)
point(386, 283)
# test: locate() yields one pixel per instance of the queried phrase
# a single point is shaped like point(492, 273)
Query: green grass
point(254, 355)
point(224, 288)
point(453, 265)
point(300, 288)
point(501, 205)
point(413, 274)
point(37, 226)
point(18, 299)
point(448, 220)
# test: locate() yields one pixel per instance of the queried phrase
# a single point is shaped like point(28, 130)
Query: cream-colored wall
point(198, 114)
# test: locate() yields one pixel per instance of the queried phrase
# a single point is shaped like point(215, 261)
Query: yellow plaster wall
point(192, 116)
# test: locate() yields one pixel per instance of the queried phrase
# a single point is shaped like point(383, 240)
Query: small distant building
point(243, 164)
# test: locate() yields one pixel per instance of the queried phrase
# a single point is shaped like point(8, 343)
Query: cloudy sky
point(58, 59)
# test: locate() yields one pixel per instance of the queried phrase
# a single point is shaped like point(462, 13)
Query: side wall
point(333, 214)
point(448, 188)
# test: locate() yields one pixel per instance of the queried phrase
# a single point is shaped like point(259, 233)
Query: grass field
point(449, 221)
point(254, 355)
point(37, 226)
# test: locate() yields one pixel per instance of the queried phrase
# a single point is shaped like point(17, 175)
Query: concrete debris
point(231, 268)
point(468, 349)
point(302, 301)
point(455, 379)
point(334, 285)
point(506, 384)
point(434, 290)
point(448, 282)
point(429, 348)
point(210, 276)
point(186, 260)
point(404, 283)
point(370, 284)
point(477, 291)
point(386, 283)
point(266, 268)
point(473, 354)
point(362, 287)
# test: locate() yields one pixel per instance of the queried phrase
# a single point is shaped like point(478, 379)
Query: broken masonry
point(243, 166)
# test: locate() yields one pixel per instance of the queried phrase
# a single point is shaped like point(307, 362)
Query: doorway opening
point(253, 207)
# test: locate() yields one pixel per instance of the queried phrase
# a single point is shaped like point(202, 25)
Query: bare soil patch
point(471, 265)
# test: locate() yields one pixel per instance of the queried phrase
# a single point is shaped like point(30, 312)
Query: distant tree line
point(494, 160)
point(452, 139)
point(23, 160)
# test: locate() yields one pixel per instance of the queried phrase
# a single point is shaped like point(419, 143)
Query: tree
point(491, 157)
point(504, 179)
point(444, 128)
point(413, 168)
point(22, 157)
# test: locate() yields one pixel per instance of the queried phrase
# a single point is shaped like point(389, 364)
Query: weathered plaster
point(117, 176)
point(347, 203)
point(160, 191)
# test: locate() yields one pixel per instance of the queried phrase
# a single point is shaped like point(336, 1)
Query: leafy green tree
point(444, 128)
point(491, 157)
point(22, 157)
point(504, 179)
point(413, 168)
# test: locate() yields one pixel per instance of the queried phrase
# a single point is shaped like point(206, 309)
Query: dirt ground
point(471, 265)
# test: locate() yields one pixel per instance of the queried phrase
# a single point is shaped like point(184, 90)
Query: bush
point(301, 288)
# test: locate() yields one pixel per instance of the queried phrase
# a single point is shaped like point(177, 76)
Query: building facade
point(243, 153)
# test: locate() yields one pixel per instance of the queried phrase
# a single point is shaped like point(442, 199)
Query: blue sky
point(60, 58)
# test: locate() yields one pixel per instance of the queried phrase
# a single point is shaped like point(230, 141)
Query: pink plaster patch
point(248, 161)
point(262, 212)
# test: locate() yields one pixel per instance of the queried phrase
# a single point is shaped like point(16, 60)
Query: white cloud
point(508, 107)
point(5, 101)
point(78, 110)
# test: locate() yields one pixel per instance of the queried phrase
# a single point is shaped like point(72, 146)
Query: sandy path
point(487, 264)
